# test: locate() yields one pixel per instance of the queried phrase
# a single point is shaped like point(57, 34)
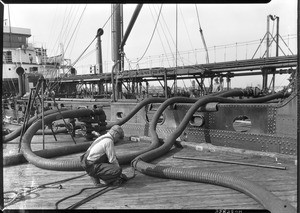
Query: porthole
point(242, 123)
point(197, 120)
point(120, 115)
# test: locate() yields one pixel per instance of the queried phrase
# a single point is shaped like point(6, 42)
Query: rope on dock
point(23, 192)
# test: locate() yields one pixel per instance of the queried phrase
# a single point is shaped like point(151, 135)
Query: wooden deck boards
point(145, 192)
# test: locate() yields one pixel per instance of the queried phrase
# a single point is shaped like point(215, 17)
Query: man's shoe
point(124, 177)
point(116, 182)
point(95, 181)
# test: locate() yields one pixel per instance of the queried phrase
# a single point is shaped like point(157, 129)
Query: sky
point(231, 32)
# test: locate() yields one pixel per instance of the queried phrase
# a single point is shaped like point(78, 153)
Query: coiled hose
point(47, 163)
point(18, 131)
point(19, 158)
point(261, 195)
point(74, 165)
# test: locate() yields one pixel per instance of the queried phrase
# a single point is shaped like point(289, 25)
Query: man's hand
point(95, 133)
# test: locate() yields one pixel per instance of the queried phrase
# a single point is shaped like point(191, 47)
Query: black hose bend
point(16, 133)
point(46, 153)
point(127, 158)
point(153, 154)
point(135, 110)
point(40, 162)
point(266, 198)
point(124, 159)
point(75, 165)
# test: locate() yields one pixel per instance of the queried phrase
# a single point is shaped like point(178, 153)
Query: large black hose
point(153, 154)
point(74, 165)
point(46, 153)
point(135, 110)
point(48, 163)
point(70, 165)
point(127, 158)
point(19, 158)
point(16, 133)
point(266, 198)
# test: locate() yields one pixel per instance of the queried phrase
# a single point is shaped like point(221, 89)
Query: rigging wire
point(202, 36)
point(163, 30)
point(69, 29)
point(76, 26)
point(58, 81)
point(95, 36)
point(160, 37)
point(61, 30)
point(151, 36)
point(187, 31)
point(69, 23)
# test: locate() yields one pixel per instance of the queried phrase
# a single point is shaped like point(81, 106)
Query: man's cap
point(116, 129)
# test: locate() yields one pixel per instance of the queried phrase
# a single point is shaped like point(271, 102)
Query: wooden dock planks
point(145, 192)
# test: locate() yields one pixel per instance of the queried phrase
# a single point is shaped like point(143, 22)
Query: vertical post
point(175, 77)
point(165, 84)
point(277, 37)
point(116, 40)
point(277, 50)
point(265, 79)
point(43, 122)
point(147, 88)
point(268, 36)
point(99, 50)
point(228, 82)
point(211, 84)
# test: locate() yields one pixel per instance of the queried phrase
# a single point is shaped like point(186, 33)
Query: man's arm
point(111, 153)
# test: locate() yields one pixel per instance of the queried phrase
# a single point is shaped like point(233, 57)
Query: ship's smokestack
point(20, 71)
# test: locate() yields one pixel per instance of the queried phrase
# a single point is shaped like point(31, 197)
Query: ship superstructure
point(23, 63)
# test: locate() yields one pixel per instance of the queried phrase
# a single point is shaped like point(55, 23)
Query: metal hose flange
point(40, 162)
point(266, 198)
point(18, 131)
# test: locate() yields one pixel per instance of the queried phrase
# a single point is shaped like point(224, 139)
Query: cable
point(65, 198)
point(160, 39)
point(151, 35)
point(76, 26)
point(27, 190)
point(106, 189)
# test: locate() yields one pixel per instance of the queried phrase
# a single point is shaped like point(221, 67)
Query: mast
point(118, 42)
point(116, 33)
point(9, 27)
